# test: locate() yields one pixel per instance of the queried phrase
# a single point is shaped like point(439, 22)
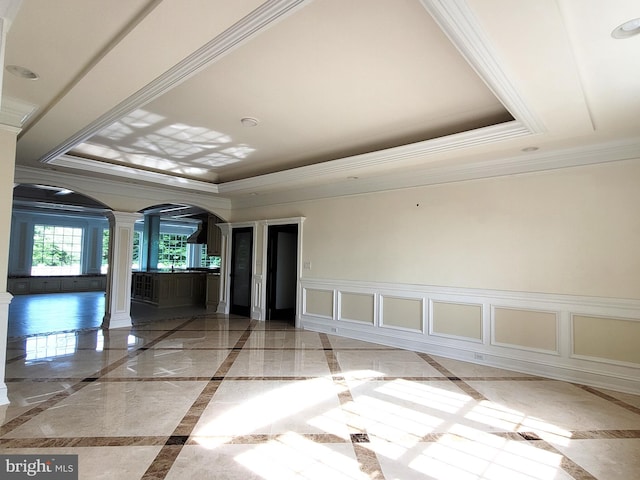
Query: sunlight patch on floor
point(292, 456)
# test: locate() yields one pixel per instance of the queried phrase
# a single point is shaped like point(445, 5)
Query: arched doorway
point(177, 256)
point(58, 257)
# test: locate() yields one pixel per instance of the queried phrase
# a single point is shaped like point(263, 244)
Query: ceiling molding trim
point(132, 173)
point(521, 164)
point(261, 18)
point(473, 138)
point(91, 186)
point(457, 21)
point(14, 112)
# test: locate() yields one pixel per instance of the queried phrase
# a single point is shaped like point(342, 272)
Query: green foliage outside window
point(56, 250)
point(172, 250)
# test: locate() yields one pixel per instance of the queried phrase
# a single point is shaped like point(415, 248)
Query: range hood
point(200, 235)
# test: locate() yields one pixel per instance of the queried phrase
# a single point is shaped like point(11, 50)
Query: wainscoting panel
point(456, 320)
point(586, 340)
point(624, 339)
point(403, 313)
point(318, 302)
point(356, 307)
point(527, 329)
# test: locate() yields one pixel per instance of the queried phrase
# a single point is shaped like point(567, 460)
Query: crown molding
point(628, 149)
point(258, 20)
point(131, 173)
point(458, 22)
point(14, 112)
point(393, 155)
point(91, 186)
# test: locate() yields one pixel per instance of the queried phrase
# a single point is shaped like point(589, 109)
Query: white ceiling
point(350, 96)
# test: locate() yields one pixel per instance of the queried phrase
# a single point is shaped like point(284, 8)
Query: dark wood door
point(241, 271)
point(282, 272)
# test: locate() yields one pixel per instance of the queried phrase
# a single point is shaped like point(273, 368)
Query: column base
point(116, 321)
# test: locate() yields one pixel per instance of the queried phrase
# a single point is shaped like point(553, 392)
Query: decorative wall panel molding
point(535, 333)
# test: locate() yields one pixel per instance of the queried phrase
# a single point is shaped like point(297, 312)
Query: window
point(105, 251)
point(137, 239)
point(56, 250)
point(209, 261)
point(172, 251)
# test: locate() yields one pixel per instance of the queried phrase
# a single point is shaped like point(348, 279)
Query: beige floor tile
point(611, 459)
point(103, 463)
point(284, 339)
point(171, 363)
point(466, 369)
point(249, 407)
point(468, 455)
point(276, 363)
point(115, 409)
point(550, 406)
point(386, 363)
point(286, 457)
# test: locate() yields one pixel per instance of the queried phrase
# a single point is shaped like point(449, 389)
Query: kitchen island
point(180, 288)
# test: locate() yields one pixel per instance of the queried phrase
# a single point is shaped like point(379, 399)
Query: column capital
point(124, 217)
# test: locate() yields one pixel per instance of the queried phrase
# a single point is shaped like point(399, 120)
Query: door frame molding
point(259, 266)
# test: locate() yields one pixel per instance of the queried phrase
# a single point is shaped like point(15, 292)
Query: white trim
point(5, 298)
point(339, 316)
point(394, 155)
point(15, 112)
point(552, 364)
point(516, 346)
point(261, 18)
point(424, 319)
point(590, 358)
point(306, 313)
point(430, 174)
point(457, 21)
point(433, 333)
point(93, 187)
point(95, 166)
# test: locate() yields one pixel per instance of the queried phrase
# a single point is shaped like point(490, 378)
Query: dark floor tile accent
point(568, 465)
point(529, 436)
point(368, 462)
point(359, 438)
point(82, 442)
point(163, 462)
point(604, 434)
point(465, 387)
point(177, 440)
point(469, 390)
point(620, 403)
point(90, 379)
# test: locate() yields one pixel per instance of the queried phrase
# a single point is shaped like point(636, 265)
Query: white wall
point(515, 272)
point(573, 231)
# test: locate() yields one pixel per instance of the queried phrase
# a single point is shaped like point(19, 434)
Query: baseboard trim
point(558, 365)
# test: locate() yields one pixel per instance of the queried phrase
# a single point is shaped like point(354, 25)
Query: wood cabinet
point(213, 291)
point(57, 284)
point(167, 289)
point(214, 237)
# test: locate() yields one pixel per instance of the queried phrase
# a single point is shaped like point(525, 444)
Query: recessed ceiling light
point(22, 72)
point(249, 121)
point(627, 29)
point(530, 149)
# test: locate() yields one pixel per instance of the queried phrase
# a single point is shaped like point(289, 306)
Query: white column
point(225, 268)
point(8, 138)
point(118, 301)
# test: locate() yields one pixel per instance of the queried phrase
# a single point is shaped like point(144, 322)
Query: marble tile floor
point(216, 397)
point(37, 314)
